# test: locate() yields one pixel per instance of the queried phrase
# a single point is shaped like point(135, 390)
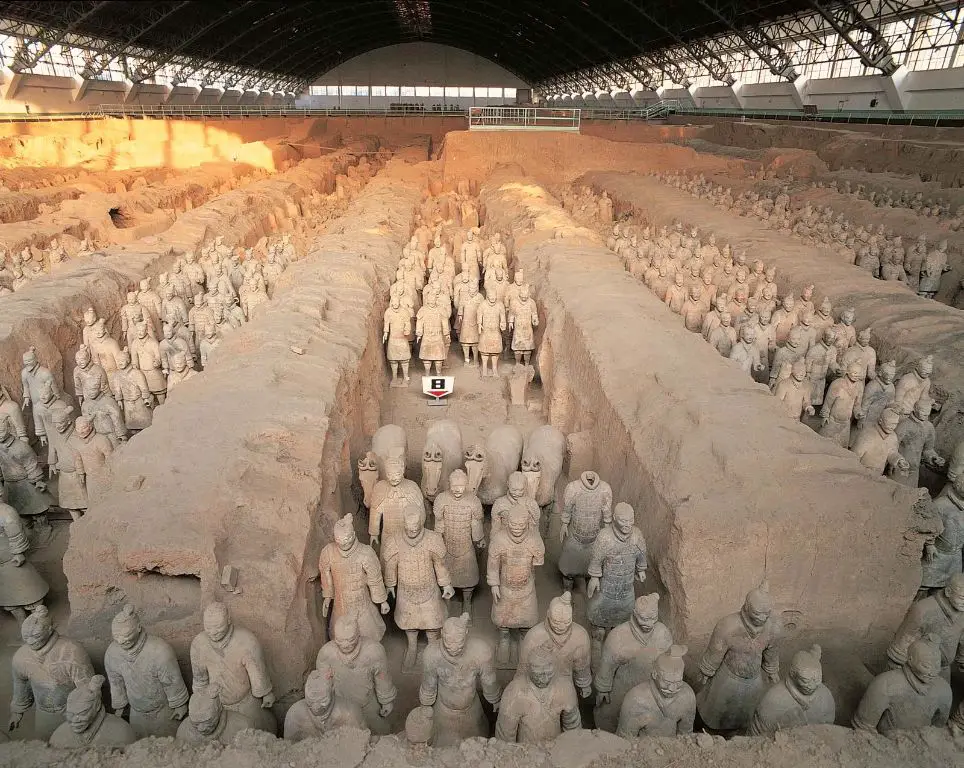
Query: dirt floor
point(250, 464)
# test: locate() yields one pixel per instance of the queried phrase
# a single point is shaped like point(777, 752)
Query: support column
point(738, 97)
point(131, 89)
point(79, 89)
point(800, 91)
point(895, 86)
point(11, 84)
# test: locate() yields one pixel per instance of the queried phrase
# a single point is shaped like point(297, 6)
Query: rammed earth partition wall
point(250, 463)
point(727, 489)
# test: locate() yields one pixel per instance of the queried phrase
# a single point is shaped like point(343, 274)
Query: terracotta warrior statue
point(132, 393)
point(492, 322)
point(801, 699)
point(469, 309)
point(33, 377)
point(459, 519)
point(794, 392)
point(515, 551)
point(742, 651)
point(208, 721)
point(838, 406)
point(361, 674)
point(88, 724)
point(566, 642)
point(321, 710)
point(45, 669)
point(916, 435)
point(415, 565)
point(914, 385)
point(663, 705)
point(146, 357)
point(23, 479)
point(171, 345)
point(85, 370)
point(391, 499)
point(104, 348)
point(627, 659)
point(586, 508)
point(523, 318)
point(942, 614)
point(144, 675)
point(878, 394)
point(22, 588)
point(104, 412)
point(616, 562)
point(433, 333)
point(943, 560)
point(231, 658)
point(91, 457)
point(452, 672)
point(914, 696)
point(877, 445)
point(538, 704)
point(351, 581)
point(515, 496)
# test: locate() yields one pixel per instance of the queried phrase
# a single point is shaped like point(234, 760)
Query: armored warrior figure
point(13, 413)
point(618, 557)
point(538, 705)
point(88, 724)
point(360, 672)
point(523, 318)
point(801, 699)
point(566, 642)
point(943, 561)
point(877, 445)
point(351, 581)
point(838, 407)
point(459, 518)
point(102, 409)
point(627, 659)
point(914, 696)
point(208, 721)
point(515, 552)
point(65, 462)
point(321, 710)
point(86, 369)
point(90, 320)
point(33, 378)
point(491, 324)
point(469, 309)
point(143, 674)
point(91, 455)
point(415, 564)
point(741, 652)
point(865, 355)
point(131, 391)
point(663, 705)
point(200, 319)
point(146, 357)
point(934, 266)
point(433, 334)
point(170, 345)
point(391, 499)
point(878, 394)
point(230, 658)
point(131, 315)
point(104, 348)
point(45, 669)
point(821, 361)
point(940, 614)
point(745, 352)
point(23, 479)
point(397, 327)
point(586, 508)
point(515, 497)
point(21, 588)
point(150, 301)
point(914, 385)
point(917, 437)
point(452, 672)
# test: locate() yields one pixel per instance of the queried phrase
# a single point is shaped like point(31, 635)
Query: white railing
point(265, 110)
point(523, 119)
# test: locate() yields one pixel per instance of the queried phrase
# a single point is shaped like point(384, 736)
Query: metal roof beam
point(862, 36)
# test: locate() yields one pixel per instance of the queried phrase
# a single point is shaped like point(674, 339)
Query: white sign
point(438, 386)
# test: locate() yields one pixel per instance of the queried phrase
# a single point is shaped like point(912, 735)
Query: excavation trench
point(727, 490)
point(48, 314)
point(904, 327)
point(250, 464)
